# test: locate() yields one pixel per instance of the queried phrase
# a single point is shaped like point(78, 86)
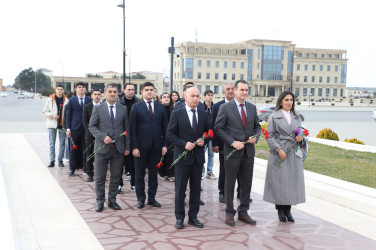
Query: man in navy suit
point(76, 129)
point(148, 141)
point(186, 128)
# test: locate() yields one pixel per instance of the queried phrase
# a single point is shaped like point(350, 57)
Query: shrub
point(333, 104)
point(298, 103)
point(267, 101)
point(352, 104)
point(328, 134)
point(354, 140)
point(313, 104)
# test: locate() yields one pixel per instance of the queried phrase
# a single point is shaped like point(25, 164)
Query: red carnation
point(305, 132)
point(211, 133)
point(125, 133)
point(206, 135)
point(61, 105)
point(74, 147)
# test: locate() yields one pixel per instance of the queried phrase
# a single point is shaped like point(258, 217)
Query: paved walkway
point(153, 228)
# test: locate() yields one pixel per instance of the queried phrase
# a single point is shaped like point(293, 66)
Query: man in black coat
point(185, 130)
point(89, 138)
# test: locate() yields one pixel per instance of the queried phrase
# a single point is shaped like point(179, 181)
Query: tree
point(138, 76)
point(26, 81)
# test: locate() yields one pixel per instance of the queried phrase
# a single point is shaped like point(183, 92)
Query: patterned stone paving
point(153, 228)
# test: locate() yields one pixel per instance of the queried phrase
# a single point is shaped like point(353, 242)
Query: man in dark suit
point(217, 143)
point(148, 128)
point(237, 123)
point(107, 121)
point(76, 129)
point(186, 127)
point(89, 138)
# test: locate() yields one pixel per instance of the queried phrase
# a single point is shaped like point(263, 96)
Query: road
point(25, 116)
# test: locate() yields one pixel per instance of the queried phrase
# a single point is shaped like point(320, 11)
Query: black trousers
point(221, 179)
point(129, 167)
point(148, 160)
point(183, 173)
point(101, 163)
point(241, 167)
point(165, 170)
point(76, 158)
point(89, 151)
point(283, 207)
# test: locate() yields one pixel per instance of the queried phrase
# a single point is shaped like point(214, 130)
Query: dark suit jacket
point(86, 114)
point(74, 113)
point(145, 131)
point(229, 127)
point(180, 131)
point(216, 141)
point(100, 126)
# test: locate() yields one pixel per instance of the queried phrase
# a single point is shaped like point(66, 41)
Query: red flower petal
point(206, 135)
point(74, 147)
point(305, 132)
point(125, 132)
point(161, 164)
point(211, 133)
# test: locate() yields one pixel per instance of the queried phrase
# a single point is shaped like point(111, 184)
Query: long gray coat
point(284, 184)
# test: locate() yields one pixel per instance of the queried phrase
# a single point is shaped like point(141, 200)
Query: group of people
point(131, 135)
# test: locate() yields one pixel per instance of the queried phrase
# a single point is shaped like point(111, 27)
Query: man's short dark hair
point(110, 85)
point(187, 87)
point(128, 84)
point(208, 92)
point(147, 84)
point(80, 83)
point(60, 86)
point(95, 90)
point(240, 81)
point(188, 83)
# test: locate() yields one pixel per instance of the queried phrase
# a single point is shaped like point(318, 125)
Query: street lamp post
point(35, 82)
point(309, 100)
point(171, 50)
point(292, 69)
point(122, 5)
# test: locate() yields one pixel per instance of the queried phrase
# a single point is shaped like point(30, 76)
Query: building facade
point(270, 66)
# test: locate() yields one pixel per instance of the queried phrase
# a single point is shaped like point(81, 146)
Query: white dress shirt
point(240, 108)
point(113, 109)
point(190, 114)
point(152, 105)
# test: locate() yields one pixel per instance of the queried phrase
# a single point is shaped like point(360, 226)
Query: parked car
point(265, 113)
point(374, 114)
point(29, 95)
point(3, 94)
point(21, 95)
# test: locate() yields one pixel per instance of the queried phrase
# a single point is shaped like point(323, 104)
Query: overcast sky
point(82, 36)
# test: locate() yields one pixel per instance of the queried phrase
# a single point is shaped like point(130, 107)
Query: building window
point(327, 91)
point(242, 52)
point(199, 75)
point(216, 76)
point(322, 55)
point(320, 78)
point(327, 79)
point(258, 52)
point(208, 63)
point(225, 64)
point(216, 64)
point(335, 79)
point(306, 67)
point(242, 65)
point(328, 68)
point(207, 87)
point(337, 56)
point(212, 51)
point(305, 78)
point(199, 63)
point(297, 79)
point(304, 91)
point(343, 73)
point(341, 92)
point(258, 65)
point(216, 88)
point(233, 65)
point(208, 76)
point(320, 92)
point(334, 92)
point(188, 68)
point(186, 49)
point(233, 77)
point(298, 67)
point(312, 92)
point(336, 68)
point(204, 50)
point(199, 88)
point(321, 67)
point(224, 76)
point(313, 67)
point(196, 50)
point(241, 76)
point(300, 55)
point(330, 55)
point(307, 54)
point(314, 55)
point(228, 51)
point(313, 79)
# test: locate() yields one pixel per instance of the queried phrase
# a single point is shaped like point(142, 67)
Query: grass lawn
point(348, 165)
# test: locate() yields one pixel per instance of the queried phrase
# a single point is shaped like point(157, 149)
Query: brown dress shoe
point(230, 220)
point(247, 219)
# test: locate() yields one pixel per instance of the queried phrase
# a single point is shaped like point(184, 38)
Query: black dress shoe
point(114, 205)
point(140, 204)
point(89, 178)
point(52, 164)
point(179, 224)
point(61, 164)
point(154, 203)
point(71, 173)
point(282, 216)
point(202, 202)
point(99, 207)
point(289, 216)
point(222, 198)
point(195, 223)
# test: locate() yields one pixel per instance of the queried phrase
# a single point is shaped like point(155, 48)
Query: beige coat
point(50, 109)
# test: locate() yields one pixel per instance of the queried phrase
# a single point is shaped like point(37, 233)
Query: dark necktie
point(194, 120)
point(112, 115)
point(244, 118)
point(81, 102)
point(150, 110)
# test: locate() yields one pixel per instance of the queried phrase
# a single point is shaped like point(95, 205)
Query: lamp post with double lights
point(122, 5)
point(292, 69)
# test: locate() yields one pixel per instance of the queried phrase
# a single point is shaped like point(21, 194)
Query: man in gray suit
point(108, 120)
point(237, 123)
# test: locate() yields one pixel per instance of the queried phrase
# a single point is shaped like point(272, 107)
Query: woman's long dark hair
point(171, 96)
point(280, 99)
